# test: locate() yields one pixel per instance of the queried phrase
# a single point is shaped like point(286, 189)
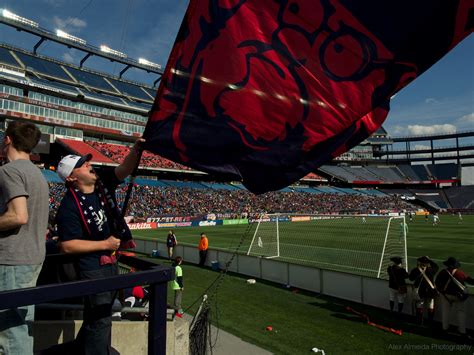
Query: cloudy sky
point(439, 101)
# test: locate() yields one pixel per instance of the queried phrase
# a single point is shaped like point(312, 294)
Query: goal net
point(348, 243)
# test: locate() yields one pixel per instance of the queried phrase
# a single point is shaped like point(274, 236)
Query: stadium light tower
point(69, 37)
point(106, 49)
point(11, 16)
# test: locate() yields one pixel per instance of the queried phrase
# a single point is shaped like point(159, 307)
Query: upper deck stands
point(461, 197)
point(91, 79)
point(444, 171)
point(7, 58)
point(43, 67)
point(131, 90)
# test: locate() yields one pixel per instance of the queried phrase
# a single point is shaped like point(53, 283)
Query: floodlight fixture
point(106, 49)
point(147, 62)
point(11, 16)
point(62, 34)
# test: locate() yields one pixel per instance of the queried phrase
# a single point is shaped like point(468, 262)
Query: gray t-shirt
point(24, 245)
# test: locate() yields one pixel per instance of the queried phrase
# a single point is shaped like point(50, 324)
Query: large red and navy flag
point(268, 90)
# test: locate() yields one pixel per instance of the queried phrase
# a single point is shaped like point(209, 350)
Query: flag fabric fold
point(265, 91)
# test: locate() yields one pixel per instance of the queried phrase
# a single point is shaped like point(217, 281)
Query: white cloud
point(447, 110)
point(431, 100)
point(398, 130)
point(71, 23)
point(419, 130)
point(467, 118)
point(67, 57)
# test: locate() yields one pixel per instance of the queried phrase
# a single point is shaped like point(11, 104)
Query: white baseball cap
point(69, 163)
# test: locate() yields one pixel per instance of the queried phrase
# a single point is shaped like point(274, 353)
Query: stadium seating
point(217, 186)
point(151, 183)
point(104, 98)
point(51, 176)
point(401, 192)
point(118, 152)
point(421, 172)
point(151, 92)
point(42, 66)
point(338, 172)
point(461, 197)
point(373, 192)
point(397, 174)
point(90, 79)
point(7, 58)
point(444, 171)
point(386, 173)
point(408, 171)
point(55, 85)
point(81, 148)
point(433, 198)
point(362, 174)
point(131, 90)
point(181, 198)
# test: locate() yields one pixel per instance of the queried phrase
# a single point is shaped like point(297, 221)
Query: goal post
point(390, 247)
point(357, 244)
point(266, 238)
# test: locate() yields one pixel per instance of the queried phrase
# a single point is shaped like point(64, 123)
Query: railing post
point(157, 319)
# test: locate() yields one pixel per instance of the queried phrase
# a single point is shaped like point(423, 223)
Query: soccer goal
point(393, 246)
point(349, 243)
point(266, 238)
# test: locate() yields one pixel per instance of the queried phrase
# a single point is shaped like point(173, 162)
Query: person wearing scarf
point(90, 226)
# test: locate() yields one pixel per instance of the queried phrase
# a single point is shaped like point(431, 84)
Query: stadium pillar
point(432, 153)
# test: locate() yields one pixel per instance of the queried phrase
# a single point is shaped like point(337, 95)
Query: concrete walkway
point(228, 344)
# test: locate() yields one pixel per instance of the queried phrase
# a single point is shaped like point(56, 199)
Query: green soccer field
point(343, 244)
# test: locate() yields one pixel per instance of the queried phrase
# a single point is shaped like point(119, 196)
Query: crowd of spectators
point(118, 152)
point(150, 201)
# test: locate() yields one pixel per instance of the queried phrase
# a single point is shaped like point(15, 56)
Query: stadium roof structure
point(379, 137)
point(461, 134)
point(432, 151)
point(22, 24)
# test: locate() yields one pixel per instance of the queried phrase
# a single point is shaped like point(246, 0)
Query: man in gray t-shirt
point(24, 208)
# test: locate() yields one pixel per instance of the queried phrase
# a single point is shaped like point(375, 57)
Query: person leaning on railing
point(24, 204)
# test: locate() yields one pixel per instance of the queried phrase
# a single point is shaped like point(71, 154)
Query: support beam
point(156, 81)
point(124, 70)
point(84, 59)
point(432, 153)
point(457, 151)
point(38, 44)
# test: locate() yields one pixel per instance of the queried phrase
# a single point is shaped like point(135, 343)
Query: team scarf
point(109, 212)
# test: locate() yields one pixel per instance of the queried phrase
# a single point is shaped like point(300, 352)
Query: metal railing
point(156, 276)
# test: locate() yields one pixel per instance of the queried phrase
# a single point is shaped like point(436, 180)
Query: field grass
point(303, 320)
point(346, 245)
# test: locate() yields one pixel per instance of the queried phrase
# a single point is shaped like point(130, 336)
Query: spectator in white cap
point(91, 226)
